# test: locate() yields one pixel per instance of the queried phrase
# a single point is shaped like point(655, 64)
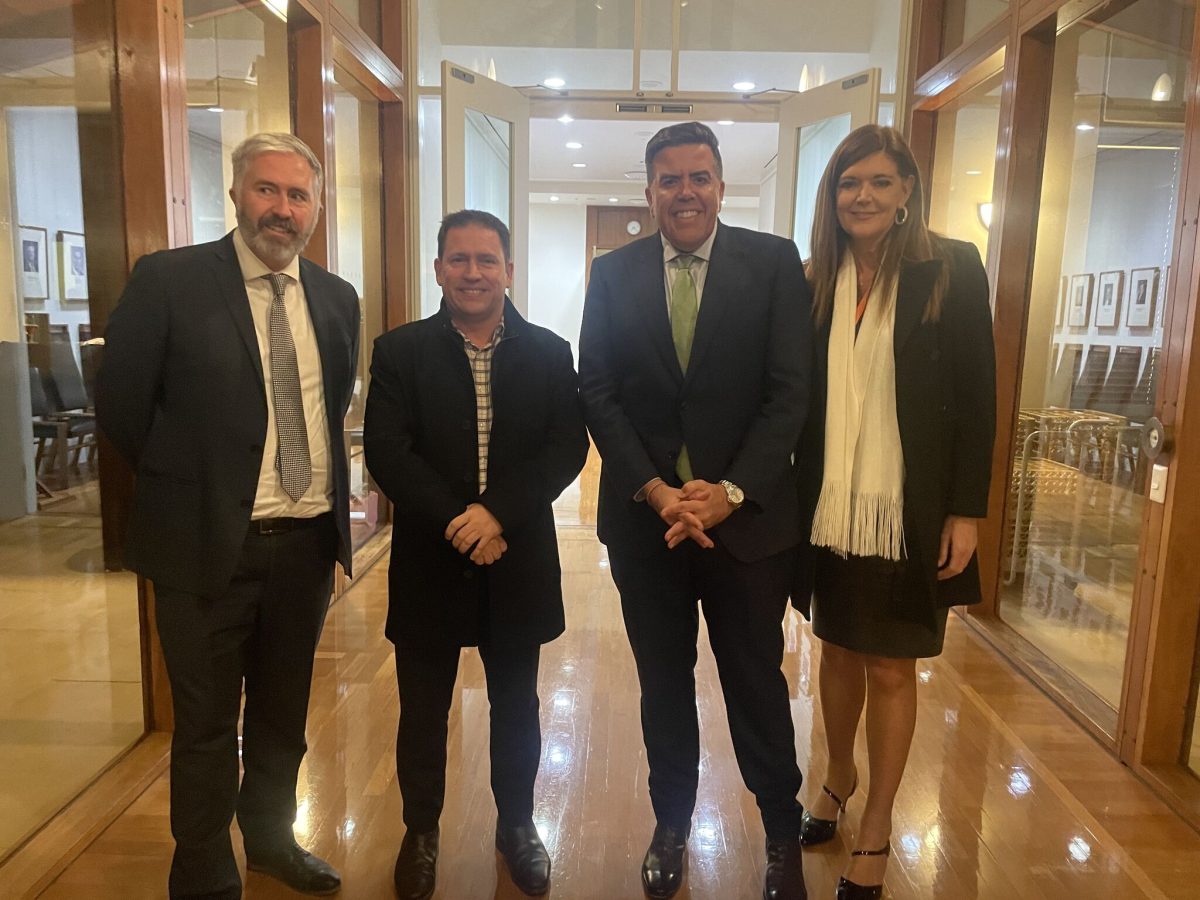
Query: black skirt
point(876, 606)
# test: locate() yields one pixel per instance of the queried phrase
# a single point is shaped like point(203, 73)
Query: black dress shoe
point(849, 890)
point(817, 831)
point(662, 869)
point(416, 867)
point(785, 871)
point(295, 867)
point(526, 857)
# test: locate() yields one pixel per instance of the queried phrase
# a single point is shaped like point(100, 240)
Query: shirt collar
point(704, 251)
point(252, 267)
point(496, 337)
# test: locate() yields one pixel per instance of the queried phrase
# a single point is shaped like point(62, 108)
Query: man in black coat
point(473, 428)
point(228, 368)
point(694, 359)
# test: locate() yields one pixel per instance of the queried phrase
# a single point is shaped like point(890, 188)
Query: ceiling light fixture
point(554, 198)
point(974, 172)
point(579, 165)
point(554, 82)
point(724, 121)
point(743, 86)
point(566, 119)
point(1085, 126)
point(613, 200)
point(574, 145)
point(279, 7)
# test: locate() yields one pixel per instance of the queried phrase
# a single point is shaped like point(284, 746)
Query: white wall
point(43, 151)
point(557, 248)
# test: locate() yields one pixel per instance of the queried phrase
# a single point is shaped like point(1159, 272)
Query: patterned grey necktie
point(291, 460)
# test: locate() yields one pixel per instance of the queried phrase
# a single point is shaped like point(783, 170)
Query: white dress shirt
point(271, 500)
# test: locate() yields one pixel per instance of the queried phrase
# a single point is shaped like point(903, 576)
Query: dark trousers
point(263, 630)
point(426, 675)
point(744, 605)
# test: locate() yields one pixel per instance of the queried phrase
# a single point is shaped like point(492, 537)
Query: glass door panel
point(1103, 256)
point(359, 195)
point(811, 125)
point(485, 157)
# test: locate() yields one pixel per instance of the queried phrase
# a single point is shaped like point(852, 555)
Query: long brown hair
point(909, 240)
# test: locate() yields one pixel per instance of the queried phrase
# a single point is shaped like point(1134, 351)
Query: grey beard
point(279, 255)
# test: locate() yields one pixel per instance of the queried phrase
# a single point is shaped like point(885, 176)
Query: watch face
point(633, 226)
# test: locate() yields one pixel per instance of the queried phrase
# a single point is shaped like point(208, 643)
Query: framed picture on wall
point(1109, 292)
point(35, 275)
point(72, 265)
point(1081, 300)
point(1143, 294)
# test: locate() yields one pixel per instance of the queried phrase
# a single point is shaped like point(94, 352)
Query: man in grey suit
point(694, 360)
point(227, 372)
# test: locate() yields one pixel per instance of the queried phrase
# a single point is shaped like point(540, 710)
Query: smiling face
point(277, 209)
point(868, 195)
point(685, 194)
point(474, 275)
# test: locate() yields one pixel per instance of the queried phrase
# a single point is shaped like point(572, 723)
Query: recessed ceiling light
point(555, 83)
point(566, 119)
point(1085, 126)
point(724, 121)
point(554, 198)
point(579, 165)
point(613, 200)
point(743, 86)
point(574, 145)
point(216, 109)
point(974, 172)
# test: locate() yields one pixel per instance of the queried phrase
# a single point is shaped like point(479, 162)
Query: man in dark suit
point(227, 371)
point(694, 361)
point(473, 427)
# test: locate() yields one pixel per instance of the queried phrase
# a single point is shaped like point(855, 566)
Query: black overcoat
point(422, 448)
point(946, 410)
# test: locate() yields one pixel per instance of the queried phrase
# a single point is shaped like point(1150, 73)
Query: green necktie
point(684, 308)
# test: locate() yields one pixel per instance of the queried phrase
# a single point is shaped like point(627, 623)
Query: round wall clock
point(633, 226)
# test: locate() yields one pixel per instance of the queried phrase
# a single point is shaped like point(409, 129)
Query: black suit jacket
point(182, 397)
point(946, 410)
point(422, 448)
point(739, 408)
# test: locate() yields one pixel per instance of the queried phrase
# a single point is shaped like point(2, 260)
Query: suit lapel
point(720, 285)
point(912, 293)
point(650, 299)
point(233, 291)
point(328, 342)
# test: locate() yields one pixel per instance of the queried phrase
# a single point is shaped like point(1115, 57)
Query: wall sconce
point(985, 214)
point(1164, 87)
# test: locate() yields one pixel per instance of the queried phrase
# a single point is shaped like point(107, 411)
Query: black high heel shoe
point(818, 831)
point(848, 890)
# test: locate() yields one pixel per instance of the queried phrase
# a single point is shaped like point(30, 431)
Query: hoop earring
point(902, 215)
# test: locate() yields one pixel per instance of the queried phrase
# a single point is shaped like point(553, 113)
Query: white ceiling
point(613, 148)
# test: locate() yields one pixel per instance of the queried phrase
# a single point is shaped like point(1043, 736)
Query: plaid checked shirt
point(480, 359)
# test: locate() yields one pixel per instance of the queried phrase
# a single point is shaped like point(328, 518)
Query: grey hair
point(275, 142)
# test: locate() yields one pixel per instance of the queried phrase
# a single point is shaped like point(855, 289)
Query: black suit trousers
point(262, 630)
point(744, 605)
point(426, 674)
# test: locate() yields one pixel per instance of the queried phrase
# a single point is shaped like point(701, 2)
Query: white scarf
point(861, 509)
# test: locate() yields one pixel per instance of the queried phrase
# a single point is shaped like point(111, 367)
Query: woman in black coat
point(895, 467)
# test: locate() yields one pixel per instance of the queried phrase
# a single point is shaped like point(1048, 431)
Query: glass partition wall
point(70, 654)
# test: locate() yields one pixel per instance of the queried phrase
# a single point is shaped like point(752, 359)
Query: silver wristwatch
point(733, 493)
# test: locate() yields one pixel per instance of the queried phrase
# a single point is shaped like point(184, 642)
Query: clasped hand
point(690, 511)
point(477, 528)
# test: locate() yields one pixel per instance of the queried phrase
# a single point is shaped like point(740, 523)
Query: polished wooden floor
point(1004, 797)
